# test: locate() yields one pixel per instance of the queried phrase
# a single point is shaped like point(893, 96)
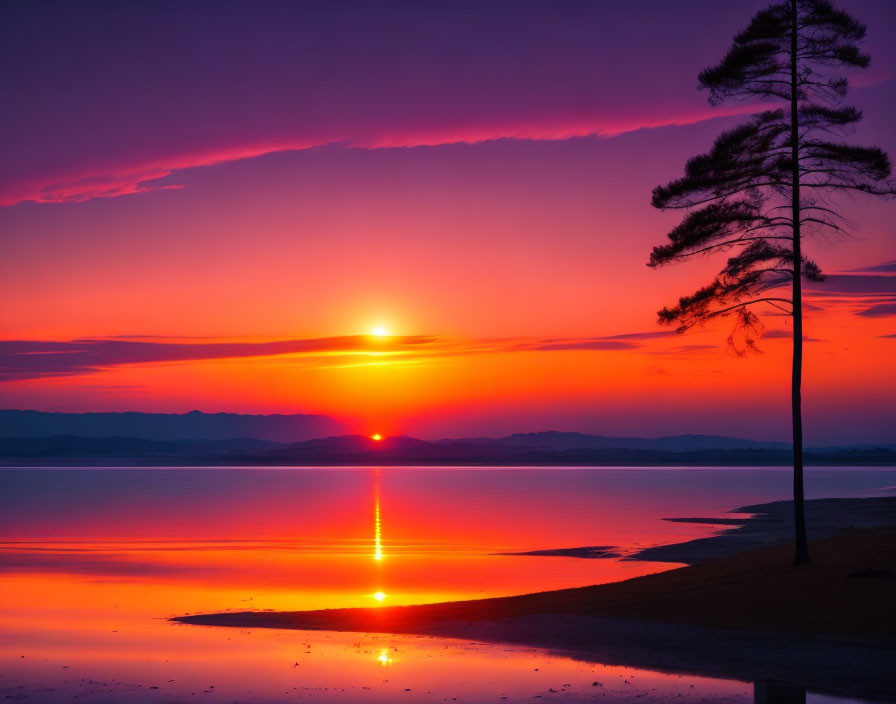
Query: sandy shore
point(829, 626)
point(761, 525)
point(772, 524)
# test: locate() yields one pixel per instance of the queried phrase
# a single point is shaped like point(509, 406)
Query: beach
point(829, 626)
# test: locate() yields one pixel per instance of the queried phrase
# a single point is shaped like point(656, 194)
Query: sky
point(211, 205)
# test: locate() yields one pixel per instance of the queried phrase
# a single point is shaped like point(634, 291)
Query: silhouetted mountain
point(399, 450)
point(194, 425)
point(71, 446)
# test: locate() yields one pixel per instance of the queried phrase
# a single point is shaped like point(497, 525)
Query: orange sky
point(512, 234)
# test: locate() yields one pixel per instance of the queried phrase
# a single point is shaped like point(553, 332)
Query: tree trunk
point(799, 515)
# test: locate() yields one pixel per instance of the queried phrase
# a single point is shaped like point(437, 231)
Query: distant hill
point(676, 443)
point(59, 447)
point(397, 451)
point(512, 450)
point(194, 425)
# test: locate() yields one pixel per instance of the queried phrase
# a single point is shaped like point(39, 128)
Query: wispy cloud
point(886, 267)
point(27, 359)
point(879, 310)
point(144, 177)
point(557, 345)
point(22, 360)
point(651, 335)
point(852, 284)
point(782, 334)
point(874, 292)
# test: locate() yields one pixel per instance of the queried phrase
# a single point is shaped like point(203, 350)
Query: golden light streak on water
point(377, 523)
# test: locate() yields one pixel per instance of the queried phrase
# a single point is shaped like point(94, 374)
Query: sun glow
point(379, 596)
point(379, 331)
point(384, 658)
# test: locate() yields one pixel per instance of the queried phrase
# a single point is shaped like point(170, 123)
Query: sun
point(379, 596)
point(379, 331)
point(376, 437)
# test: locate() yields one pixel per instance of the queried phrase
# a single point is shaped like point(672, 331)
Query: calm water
point(93, 561)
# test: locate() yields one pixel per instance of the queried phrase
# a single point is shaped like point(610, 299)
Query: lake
point(93, 562)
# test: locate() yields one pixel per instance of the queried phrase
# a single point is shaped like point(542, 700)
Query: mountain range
point(194, 425)
point(35, 438)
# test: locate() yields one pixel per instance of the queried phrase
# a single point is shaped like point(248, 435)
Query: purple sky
point(280, 175)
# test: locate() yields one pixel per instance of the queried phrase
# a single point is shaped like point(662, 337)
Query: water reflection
point(162, 662)
point(92, 561)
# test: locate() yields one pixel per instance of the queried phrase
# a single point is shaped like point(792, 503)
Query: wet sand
point(829, 626)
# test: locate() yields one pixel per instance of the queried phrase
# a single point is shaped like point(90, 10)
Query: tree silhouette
point(766, 184)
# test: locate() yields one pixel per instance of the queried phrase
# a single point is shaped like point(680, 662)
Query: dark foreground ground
point(829, 626)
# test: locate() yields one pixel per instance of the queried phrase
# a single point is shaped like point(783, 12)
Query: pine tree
point(767, 184)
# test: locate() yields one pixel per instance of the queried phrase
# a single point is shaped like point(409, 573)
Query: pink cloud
point(129, 178)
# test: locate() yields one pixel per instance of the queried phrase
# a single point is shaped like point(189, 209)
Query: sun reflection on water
point(377, 521)
point(379, 595)
point(377, 528)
